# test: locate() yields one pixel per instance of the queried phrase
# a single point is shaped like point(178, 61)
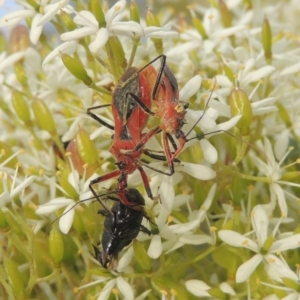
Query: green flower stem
point(99, 89)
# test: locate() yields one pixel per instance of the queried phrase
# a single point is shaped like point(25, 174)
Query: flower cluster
point(225, 224)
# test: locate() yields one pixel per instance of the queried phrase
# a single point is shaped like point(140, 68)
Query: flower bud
point(116, 56)
point(229, 73)
point(56, 246)
point(86, 148)
point(63, 180)
point(14, 226)
point(21, 107)
point(198, 25)
point(225, 14)
point(3, 223)
point(141, 255)
point(266, 34)
point(267, 244)
point(3, 44)
point(43, 116)
point(134, 12)
point(284, 115)
point(240, 105)
point(67, 20)
point(98, 12)
point(152, 20)
point(6, 152)
point(14, 278)
point(75, 66)
point(77, 161)
point(288, 282)
point(216, 293)
point(19, 39)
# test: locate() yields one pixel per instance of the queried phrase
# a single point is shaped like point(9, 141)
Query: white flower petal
point(53, 205)
point(155, 248)
point(278, 269)
point(197, 171)
point(128, 28)
point(281, 143)
point(209, 151)
point(125, 259)
point(223, 80)
point(226, 288)
point(125, 288)
point(143, 295)
point(247, 268)
point(67, 47)
point(11, 59)
point(12, 19)
point(258, 74)
point(197, 287)
point(22, 186)
point(106, 291)
point(166, 192)
point(228, 124)
point(51, 10)
point(235, 239)
point(291, 242)
point(280, 198)
point(190, 88)
point(36, 29)
point(66, 220)
point(77, 34)
point(100, 40)
point(260, 223)
point(196, 239)
point(184, 227)
point(114, 11)
point(295, 68)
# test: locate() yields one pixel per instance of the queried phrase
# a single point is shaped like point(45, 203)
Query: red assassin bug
point(130, 119)
point(122, 224)
point(170, 111)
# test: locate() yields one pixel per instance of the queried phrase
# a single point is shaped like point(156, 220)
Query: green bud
point(75, 66)
point(240, 105)
point(56, 246)
point(141, 255)
point(86, 148)
point(289, 176)
point(43, 116)
point(34, 4)
point(228, 73)
point(248, 4)
point(19, 39)
point(267, 244)
point(98, 12)
point(284, 115)
point(216, 293)
point(152, 20)
point(3, 223)
point(7, 152)
point(116, 56)
point(290, 283)
point(14, 226)
point(63, 178)
point(21, 107)
point(20, 73)
point(67, 20)
point(14, 277)
point(266, 34)
point(134, 12)
point(198, 25)
point(225, 14)
point(3, 44)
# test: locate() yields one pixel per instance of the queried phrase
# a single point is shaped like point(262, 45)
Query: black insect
point(122, 224)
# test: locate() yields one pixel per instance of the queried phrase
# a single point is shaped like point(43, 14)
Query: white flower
point(272, 171)
point(41, 15)
point(200, 288)
point(131, 29)
point(260, 224)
